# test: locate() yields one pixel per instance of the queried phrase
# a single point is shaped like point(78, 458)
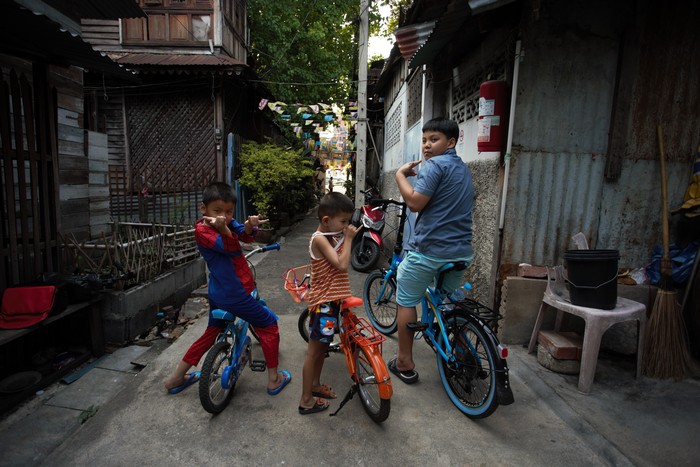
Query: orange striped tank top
point(327, 282)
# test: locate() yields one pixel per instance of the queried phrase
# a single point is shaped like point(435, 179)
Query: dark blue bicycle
point(471, 361)
point(229, 356)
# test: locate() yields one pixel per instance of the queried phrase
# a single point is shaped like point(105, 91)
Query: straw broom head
point(666, 344)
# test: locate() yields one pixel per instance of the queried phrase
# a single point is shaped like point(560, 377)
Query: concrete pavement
point(623, 422)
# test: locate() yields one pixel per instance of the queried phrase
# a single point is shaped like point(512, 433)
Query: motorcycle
point(367, 244)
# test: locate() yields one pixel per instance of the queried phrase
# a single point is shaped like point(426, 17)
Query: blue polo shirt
point(444, 226)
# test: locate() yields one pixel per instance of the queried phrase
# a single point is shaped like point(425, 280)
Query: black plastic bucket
point(592, 277)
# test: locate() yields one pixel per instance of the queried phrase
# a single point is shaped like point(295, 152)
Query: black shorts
point(323, 321)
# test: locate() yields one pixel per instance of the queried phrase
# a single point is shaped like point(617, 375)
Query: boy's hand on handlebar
point(256, 220)
point(408, 169)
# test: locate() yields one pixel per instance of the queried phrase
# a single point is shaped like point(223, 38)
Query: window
point(179, 21)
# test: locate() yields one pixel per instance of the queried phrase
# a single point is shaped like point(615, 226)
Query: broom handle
point(664, 194)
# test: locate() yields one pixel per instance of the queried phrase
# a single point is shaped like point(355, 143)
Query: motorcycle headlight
point(369, 224)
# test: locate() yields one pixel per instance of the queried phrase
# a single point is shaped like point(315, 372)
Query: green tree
point(277, 178)
point(306, 50)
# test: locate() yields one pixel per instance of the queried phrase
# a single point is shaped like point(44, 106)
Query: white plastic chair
point(597, 322)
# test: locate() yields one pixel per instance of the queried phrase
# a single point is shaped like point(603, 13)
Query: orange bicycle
point(362, 346)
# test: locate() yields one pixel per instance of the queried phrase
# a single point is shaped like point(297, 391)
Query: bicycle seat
point(456, 266)
point(223, 314)
point(352, 302)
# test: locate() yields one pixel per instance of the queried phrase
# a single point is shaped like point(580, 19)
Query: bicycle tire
point(368, 388)
point(382, 312)
point(212, 395)
point(470, 383)
point(364, 256)
point(303, 324)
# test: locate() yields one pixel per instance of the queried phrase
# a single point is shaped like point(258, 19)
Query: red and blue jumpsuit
point(230, 285)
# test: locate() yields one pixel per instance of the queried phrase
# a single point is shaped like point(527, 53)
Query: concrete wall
point(127, 314)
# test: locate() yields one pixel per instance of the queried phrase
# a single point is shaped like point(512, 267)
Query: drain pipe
point(509, 144)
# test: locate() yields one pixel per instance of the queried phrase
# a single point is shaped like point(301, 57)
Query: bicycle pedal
point(417, 326)
point(258, 365)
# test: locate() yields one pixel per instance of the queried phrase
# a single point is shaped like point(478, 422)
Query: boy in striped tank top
point(329, 249)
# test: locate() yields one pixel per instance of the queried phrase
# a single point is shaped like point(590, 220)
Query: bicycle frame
point(238, 328)
point(356, 331)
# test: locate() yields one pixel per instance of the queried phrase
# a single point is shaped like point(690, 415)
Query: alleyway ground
point(623, 422)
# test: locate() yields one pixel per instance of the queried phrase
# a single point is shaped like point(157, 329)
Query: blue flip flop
point(286, 378)
point(190, 379)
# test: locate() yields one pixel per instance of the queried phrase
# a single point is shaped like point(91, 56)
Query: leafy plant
point(273, 175)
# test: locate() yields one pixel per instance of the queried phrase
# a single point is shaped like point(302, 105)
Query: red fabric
point(25, 306)
point(200, 346)
point(269, 342)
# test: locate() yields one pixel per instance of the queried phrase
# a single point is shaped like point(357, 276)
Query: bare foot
point(324, 391)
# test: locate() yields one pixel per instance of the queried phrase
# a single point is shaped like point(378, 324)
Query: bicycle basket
point(296, 282)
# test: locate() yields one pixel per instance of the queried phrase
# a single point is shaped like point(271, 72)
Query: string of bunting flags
point(306, 119)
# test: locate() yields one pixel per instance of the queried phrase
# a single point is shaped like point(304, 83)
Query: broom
point(665, 346)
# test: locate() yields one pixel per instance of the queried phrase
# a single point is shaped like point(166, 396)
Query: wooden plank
point(33, 172)
point(100, 191)
point(51, 94)
point(74, 103)
point(99, 22)
point(98, 155)
point(71, 192)
point(45, 146)
point(98, 139)
point(71, 133)
point(70, 148)
point(68, 117)
point(98, 180)
point(9, 181)
point(19, 145)
point(68, 162)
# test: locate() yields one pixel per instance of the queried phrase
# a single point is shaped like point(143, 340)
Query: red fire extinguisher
point(492, 116)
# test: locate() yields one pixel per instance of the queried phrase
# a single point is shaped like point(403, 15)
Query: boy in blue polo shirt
point(443, 196)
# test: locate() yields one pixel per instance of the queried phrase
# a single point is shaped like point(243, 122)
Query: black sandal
point(318, 407)
point(408, 377)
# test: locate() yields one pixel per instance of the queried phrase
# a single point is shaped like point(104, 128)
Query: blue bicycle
point(471, 361)
point(230, 354)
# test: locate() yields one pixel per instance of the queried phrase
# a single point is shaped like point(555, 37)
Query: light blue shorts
point(417, 271)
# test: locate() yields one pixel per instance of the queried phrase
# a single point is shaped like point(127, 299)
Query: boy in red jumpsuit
point(230, 285)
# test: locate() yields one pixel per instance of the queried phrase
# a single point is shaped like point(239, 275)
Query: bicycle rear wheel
point(303, 324)
point(212, 394)
point(368, 386)
point(469, 380)
point(381, 308)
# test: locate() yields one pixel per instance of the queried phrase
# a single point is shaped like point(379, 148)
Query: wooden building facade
point(46, 155)
point(168, 135)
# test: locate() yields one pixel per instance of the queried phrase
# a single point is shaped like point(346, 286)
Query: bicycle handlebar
point(385, 202)
point(262, 249)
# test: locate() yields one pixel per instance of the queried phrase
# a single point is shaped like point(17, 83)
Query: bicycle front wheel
point(368, 386)
point(212, 394)
point(470, 378)
point(381, 307)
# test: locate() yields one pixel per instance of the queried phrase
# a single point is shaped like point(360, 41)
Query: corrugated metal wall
point(566, 95)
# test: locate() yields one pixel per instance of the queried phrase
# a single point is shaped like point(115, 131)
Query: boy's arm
point(322, 247)
point(415, 200)
point(210, 235)
point(249, 229)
